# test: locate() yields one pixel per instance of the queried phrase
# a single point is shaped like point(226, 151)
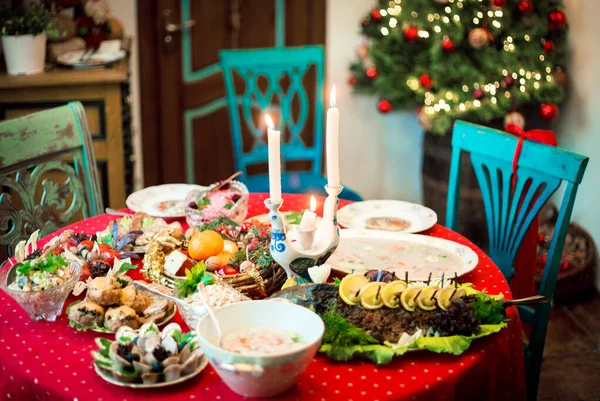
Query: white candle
point(309, 218)
point(332, 142)
point(274, 138)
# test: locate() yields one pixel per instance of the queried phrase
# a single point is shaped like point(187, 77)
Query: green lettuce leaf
point(382, 354)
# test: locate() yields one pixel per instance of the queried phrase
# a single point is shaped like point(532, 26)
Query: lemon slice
point(443, 297)
point(370, 295)
point(350, 287)
point(408, 297)
point(391, 293)
point(459, 294)
point(426, 299)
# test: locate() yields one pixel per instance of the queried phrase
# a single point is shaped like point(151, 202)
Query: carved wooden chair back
point(48, 173)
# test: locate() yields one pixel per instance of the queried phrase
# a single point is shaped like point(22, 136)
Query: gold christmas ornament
point(515, 118)
point(478, 38)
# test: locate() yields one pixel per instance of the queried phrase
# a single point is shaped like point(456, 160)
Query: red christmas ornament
point(365, 22)
point(525, 6)
point(351, 80)
point(508, 81)
point(548, 46)
point(548, 111)
point(411, 34)
point(371, 73)
point(499, 3)
point(557, 19)
point(448, 44)
point(384, 106)
point(426, 81)
point(478, 93)
point(376, 15)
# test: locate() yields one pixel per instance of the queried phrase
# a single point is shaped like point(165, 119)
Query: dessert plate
point(419, 255)
point(387, 215)
point(166, 200)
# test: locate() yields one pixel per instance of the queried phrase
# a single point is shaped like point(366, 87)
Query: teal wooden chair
point(273, 65)
point(510, 212)
point(48, 173)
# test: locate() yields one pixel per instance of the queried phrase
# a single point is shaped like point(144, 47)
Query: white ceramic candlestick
point(332, 143)
point(274, 139)
point(288, 254)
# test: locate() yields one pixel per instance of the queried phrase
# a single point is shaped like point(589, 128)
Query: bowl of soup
point(265, 345)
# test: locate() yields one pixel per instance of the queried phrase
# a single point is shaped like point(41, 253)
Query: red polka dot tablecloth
point(52, 361)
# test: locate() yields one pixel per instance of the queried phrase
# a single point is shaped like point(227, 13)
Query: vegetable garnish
point(50, 265)
point(194, 276)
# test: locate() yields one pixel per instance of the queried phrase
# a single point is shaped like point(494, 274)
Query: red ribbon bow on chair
point(535, 135)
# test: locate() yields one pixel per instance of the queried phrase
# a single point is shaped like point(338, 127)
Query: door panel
point(183, 94)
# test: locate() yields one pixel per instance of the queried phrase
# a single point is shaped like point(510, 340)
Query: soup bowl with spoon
point(262, 347)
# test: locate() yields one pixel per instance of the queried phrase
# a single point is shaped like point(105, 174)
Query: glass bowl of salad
point(231, 201)
point(40, 285)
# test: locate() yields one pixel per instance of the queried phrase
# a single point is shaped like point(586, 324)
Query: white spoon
point(211, 312)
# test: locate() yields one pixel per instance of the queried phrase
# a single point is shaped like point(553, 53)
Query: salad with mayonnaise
point(39, 274)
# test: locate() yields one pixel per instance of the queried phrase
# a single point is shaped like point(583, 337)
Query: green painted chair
point(47, 173)
point(273, 66)
point(510, 211)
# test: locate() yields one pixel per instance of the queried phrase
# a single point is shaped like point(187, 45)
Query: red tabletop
point(52, 361)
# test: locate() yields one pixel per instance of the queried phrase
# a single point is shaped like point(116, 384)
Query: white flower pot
point(24, 54)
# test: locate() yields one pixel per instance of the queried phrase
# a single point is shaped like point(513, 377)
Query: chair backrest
point(48, 173)
point(510, 211)
point(273, 65)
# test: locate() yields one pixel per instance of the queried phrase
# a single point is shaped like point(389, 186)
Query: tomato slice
point(108, 254)
point(88, 243)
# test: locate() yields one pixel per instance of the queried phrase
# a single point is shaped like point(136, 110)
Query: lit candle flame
point(269, 121)
point(332, 97)
point(313, 204)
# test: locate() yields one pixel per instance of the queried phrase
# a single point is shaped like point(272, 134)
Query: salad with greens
point(39, 274)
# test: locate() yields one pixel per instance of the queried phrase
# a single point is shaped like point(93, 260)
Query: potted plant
point(23, 32)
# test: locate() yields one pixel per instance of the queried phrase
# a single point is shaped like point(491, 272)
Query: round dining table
point(52, 361)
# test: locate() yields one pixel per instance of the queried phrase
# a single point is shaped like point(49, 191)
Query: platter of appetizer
point(149, 358)
point(379, 317)
point(387, 215)
point(236, 254)
point(419, 255)
point(168, 200)
point(114, 302)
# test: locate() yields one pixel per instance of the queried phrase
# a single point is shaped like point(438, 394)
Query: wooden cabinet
point(103, 93)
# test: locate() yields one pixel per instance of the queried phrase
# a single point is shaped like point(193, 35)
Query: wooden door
point(185, 122)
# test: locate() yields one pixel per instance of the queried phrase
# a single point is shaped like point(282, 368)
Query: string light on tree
point(424, 57)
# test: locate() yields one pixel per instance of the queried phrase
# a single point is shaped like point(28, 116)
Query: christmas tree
point(474, 60)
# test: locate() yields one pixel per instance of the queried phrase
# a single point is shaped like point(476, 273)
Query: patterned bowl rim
point(239, 204)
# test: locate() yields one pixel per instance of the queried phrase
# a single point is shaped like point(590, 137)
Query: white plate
point(387, 215)
point(400, 253)
point(264, 218)
point(166, 200)
point(73, 59)
point(112, 380)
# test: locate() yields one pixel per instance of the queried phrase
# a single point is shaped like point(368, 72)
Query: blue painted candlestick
point(290, 255)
